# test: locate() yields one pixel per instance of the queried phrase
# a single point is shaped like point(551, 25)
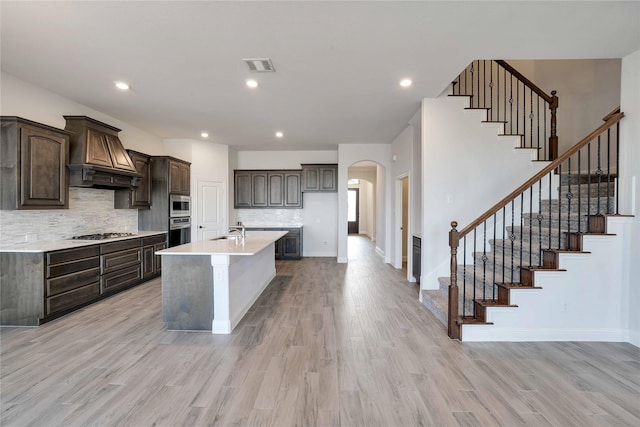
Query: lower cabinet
point(289, 246)
point(72, 278)
point(42, 286)
point(152, 263)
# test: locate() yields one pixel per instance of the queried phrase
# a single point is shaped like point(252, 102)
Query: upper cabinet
point(318, 178)
point(137, 197)
point(33, 165)
point(267, 189)
point(179, 177)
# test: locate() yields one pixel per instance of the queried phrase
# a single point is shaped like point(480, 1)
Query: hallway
point(327, 344)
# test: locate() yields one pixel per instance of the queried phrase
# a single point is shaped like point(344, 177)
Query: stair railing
point(511, 98)
point(532, 219)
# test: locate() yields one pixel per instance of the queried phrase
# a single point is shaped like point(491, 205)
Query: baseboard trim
point(491, 333)
point(320, 254)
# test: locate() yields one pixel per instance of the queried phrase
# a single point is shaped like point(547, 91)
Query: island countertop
point(254, 242)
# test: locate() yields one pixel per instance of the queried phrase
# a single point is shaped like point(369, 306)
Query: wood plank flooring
point(326, 345)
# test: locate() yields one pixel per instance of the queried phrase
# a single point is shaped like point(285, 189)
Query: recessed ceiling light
point(405, 82)
point(122, 86)
point(252, 83)
point(279, 134)
point(204, 135)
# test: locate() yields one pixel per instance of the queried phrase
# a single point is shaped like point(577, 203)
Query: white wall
point(19, 98)
point(348, 154)
point(415, 188)
point(630, 182)
point(588, 89)
point(401, 167)
point(466, 170)
point(319, 215)
point(209, 162)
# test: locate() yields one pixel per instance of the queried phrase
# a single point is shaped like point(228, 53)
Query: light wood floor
point(326, 345)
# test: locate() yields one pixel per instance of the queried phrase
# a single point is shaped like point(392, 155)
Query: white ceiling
point(338, 64)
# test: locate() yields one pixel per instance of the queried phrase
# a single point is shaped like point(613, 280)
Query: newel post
point(453, 327)
point(553, 139)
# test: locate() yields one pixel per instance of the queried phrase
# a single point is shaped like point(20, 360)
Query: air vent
point(260, 65)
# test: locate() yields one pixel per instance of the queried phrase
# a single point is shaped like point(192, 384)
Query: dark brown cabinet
point(318, 178)
point(72, 278)
point(120, 264)
point(152, 263)
point(33, 165)
point(289, 246)
point(267, 189)
point(179, 177)
point(38, 287)
point(137, 197)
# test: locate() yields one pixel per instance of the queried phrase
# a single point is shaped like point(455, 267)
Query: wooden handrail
point(525, 80)
point(611, 114)
point(615, 118)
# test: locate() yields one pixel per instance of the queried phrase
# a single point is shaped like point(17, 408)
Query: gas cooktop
point(102, 236)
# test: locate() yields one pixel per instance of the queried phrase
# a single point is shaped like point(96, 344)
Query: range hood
point(97, 157)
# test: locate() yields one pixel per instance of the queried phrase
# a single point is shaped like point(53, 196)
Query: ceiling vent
point(260, 65)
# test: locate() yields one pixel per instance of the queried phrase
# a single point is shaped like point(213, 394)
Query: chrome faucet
point(239, 228)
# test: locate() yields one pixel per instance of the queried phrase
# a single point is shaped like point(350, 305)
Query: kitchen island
point(209, 285)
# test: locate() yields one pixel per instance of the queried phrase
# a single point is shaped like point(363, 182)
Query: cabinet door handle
point(200, 226)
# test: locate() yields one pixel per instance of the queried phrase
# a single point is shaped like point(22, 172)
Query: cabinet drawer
point(121, 245)
point(71, 281)
point(59, 257)
point(118, 260)
point(120, 278)
point(73, 298)
point(152, 240)
point(72, 266)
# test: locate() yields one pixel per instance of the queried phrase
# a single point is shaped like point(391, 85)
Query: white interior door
point(211, 209)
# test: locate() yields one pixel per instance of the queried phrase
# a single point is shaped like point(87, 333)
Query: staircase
point(526, 238)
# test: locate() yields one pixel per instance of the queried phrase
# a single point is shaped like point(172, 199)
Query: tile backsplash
point(283, 217)
point(90, 211)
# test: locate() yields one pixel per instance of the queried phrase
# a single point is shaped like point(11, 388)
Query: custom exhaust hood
point(97, 158)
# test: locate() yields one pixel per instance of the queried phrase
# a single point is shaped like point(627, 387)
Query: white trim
point(320, 254)
point(471, 333)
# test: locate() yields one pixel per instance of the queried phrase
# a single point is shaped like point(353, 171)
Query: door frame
point(357, 221)
point(397, 235)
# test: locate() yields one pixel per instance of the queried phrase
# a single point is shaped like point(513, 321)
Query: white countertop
point(254, 242)
point(56, 245)
point(273, 226)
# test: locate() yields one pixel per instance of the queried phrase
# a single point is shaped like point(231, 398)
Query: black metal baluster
point(493, 296)
point(531, 122)
point(540, 218)
point(504, 228)
point(588, 187)
point(569, 196)
point(560, 209)
point(472, 70)
point(464, 277)
point(530, 226)
point(512, 237)
point(511, 105)
point(521, 225)
point(484, 82)
point(617, 166)
point(550, 204)
point(545, 139)
point(474, 273)
point(579, 193)
point(538, 126)
point(484, 261)
point(491, 90)
point(608, 166)
point(599, 174)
